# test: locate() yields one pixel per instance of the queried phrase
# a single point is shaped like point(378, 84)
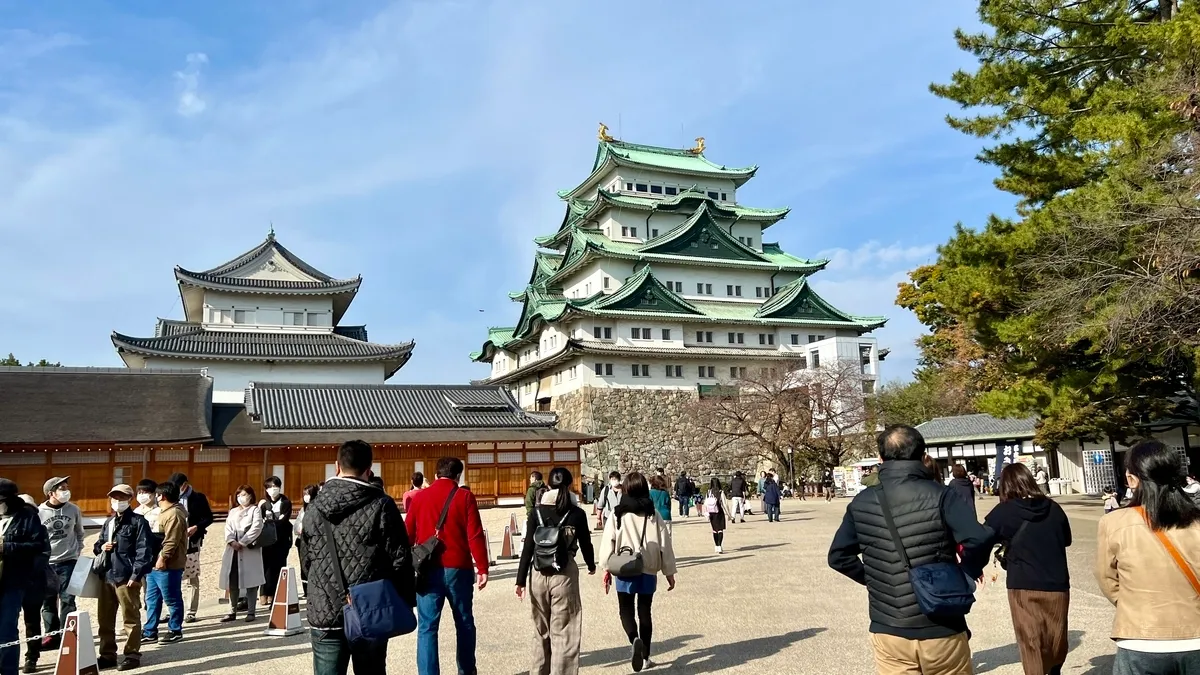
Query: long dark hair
point(560, 479)
point(714, 486)
point(1161, 480)
point(1016, 482)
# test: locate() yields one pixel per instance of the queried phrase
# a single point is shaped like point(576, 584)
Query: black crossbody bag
point(423, 552)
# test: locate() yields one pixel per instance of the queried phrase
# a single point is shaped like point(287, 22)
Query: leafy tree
point(1088, 121)
point(933, 393)
point(12, 360)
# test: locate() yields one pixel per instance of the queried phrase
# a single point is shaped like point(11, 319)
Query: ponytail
point(560, 479)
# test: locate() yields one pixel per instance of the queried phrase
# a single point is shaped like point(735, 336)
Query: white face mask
point(118, 505)
point(63, 496)
point(244, 500)
point(143, 498)
point(307, 499)
point(615, 483)
point(3, 509)
point(273, 492)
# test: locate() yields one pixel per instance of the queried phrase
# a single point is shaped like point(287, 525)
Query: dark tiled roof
point(977, 427)
point(224, 275)
point(232, 427)
point(101, 405)
point(295, 407)
point(197, 342)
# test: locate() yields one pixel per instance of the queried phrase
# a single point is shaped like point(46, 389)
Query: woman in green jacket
point(661, 498)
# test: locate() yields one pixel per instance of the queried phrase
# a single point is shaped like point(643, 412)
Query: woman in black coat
point(276, 505)
point(962, 485)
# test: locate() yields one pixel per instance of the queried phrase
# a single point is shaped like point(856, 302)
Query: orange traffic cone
point(77, 652)
point(285, 611)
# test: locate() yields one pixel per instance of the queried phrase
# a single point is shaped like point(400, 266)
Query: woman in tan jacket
point(1147, 563)
point(636, 528)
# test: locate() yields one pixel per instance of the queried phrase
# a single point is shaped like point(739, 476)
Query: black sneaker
point(639, 655)
point(104, 663)
point(150, 638)
point(173, 636)
point(29, 667)
point(250, 618)
point(129, 663)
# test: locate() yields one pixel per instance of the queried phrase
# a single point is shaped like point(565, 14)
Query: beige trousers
point(129, 601)
point(939, 656)
point(557, 621)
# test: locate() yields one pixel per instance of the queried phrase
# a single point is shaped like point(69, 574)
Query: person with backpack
point(277, 508)
point(1148, 563)
point(1035, 533)
point(683, 494)
point(532, 496)
point(738, 490)
point(716, 506)
point(771, 499)
point(125, 553)
point(610, 496)
point(557, 530)
point(635, 548)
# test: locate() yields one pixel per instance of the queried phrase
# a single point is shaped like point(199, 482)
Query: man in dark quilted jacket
point(369, 542)
point(931, 521)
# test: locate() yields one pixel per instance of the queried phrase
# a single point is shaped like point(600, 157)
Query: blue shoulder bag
point(941, 588)
point(373, 610)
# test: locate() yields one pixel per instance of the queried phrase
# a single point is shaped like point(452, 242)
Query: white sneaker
point(720, 549)
point(716, 549)
point(648, 664)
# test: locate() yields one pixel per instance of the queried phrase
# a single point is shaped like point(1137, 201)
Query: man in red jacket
point(459, 565)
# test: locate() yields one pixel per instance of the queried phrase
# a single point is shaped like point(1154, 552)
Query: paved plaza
point(768, 605)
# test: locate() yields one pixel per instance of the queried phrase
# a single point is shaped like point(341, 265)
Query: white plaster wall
point(269, 309)
point(233, 376)
point(629, 174)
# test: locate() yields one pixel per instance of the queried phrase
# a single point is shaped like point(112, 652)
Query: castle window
point(672, 190)
point(641, 370)
point(674, 371)
point(642, 187)
point(666, 333)
point(713, 195)
point(708, 372)
point(243, 316)
point(656, 189)
point(629, 186)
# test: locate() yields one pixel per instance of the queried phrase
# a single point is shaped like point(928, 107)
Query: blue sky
point(420, 144)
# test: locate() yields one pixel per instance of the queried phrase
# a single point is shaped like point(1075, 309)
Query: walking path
point(769, 604)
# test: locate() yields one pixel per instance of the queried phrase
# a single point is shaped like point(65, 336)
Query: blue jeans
point(457, 586)
point(1129, 662)
point(685, 505)
point(772, 512)
point(10, 612)
point(55, 608)
point(332, 654)
point(162, 584)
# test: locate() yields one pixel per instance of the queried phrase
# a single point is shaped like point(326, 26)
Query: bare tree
point(843, 416)
point(787, 416)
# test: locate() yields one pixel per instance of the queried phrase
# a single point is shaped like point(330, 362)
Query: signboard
point(1006, 453)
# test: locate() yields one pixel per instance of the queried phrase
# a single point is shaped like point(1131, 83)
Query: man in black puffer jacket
point(930, 520)
point(370, 542)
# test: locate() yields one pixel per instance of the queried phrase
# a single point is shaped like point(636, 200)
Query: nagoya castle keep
point(658, 285)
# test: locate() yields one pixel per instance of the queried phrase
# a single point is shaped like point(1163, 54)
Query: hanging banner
point(1006, 453)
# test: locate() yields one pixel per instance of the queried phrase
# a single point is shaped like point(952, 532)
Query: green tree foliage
point(931, 394)
point(12, 360)
point(1066, 309)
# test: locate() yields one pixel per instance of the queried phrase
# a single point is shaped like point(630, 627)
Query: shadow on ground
point(718, 658)
point(1101, 665)
point(991, 659)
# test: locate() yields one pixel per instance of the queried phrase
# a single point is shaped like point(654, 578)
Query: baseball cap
point(50, 485)
point(121, 489)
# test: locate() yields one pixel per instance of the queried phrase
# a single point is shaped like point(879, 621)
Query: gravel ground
point(769, 604)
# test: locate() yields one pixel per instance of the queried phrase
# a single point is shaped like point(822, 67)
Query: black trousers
point(31, 608)
point(643, 625)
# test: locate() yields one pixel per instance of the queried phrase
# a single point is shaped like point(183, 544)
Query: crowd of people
point(918, 547)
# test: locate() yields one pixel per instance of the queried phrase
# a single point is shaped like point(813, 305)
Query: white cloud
point(190, 102)
point(874, 254)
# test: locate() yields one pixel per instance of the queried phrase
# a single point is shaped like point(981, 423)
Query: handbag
point(423, 552)
point(101, 563)
point(269, 534)
point(626, 562)
point(373, 610)
point(1180, 562)
point(941, 588)
point(1002, 552)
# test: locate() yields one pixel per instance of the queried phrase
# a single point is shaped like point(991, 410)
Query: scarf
point(641, 506)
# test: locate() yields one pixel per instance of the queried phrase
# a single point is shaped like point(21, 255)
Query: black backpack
point(551, 545)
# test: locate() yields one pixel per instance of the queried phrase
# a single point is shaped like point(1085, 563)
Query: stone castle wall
point(644, 429)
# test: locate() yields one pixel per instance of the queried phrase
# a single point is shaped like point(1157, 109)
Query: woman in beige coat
point(242, 563)
point(636, 527)
point(1147, 564)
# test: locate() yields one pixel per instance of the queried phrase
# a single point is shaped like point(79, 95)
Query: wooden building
point(102, 426)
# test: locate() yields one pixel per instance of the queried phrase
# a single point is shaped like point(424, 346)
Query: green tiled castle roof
point(689, 162)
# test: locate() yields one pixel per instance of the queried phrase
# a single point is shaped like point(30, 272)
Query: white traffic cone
point(285, 611)
point(491, 560)
point(77, 652)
